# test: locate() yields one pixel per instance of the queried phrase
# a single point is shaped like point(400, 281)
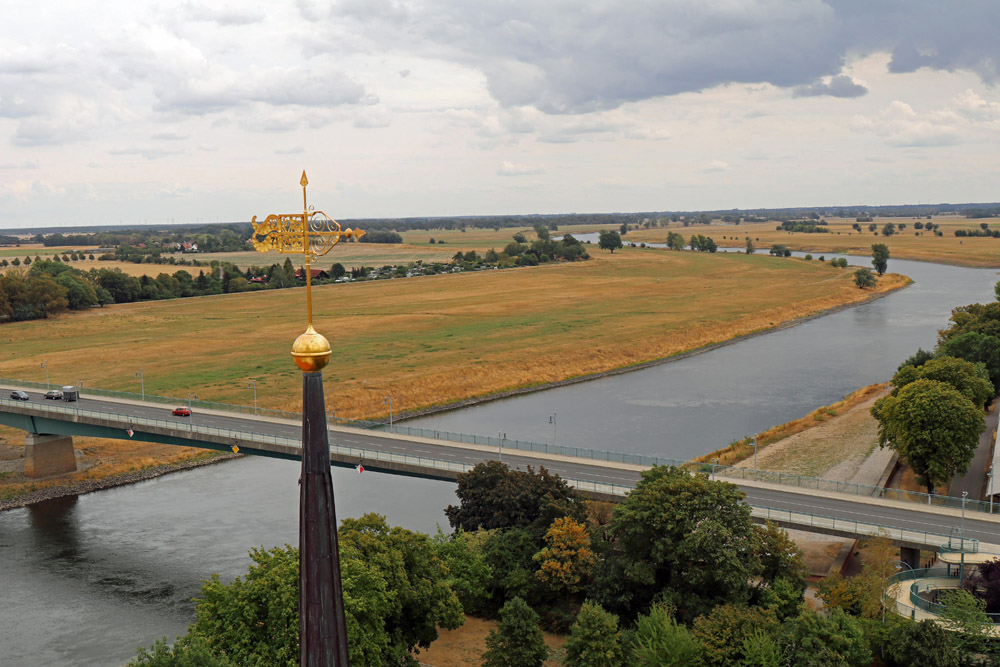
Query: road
point(907, 516)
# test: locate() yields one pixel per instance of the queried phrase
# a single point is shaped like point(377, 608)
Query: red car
point(182, 411)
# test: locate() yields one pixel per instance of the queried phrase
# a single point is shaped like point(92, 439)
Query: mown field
point(948, 248)
point(436, 339)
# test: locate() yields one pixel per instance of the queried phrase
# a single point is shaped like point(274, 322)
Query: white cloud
point(514, 169)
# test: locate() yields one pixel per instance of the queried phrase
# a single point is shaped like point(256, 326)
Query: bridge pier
point(46, 455)
point(910, 556)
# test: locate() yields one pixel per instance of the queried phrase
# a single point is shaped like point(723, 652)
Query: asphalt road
point(911, 517)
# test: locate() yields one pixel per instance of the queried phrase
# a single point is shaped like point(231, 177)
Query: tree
point(749, 247)
point(542, 232)
point(675, 241)
point(863, 278)
point(923, 643)
point(966, 616)
point(984, 583)
point(187, 652)
point(594, 639)
point(863, 594)
point(566, 561)
point(520, 238)
point(977, 348)
point(609, 241)
point(917, 359)
point(933, 428)
point(677, 538)
point(779, 250)
point(888, 229)
point(761, 650)
point(834, 639)
point(971, 380)
point(492, 495)
point(721, 632)
point(518, 641)
point(469, 574)
point(880, 256)
point(662, 642)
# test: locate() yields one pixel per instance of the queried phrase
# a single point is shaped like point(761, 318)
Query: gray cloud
point(837, 86)
point(563, 56)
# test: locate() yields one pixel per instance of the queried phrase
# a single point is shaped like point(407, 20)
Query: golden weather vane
point(313, 234)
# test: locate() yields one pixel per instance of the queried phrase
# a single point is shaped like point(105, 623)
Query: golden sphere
point(311, 350)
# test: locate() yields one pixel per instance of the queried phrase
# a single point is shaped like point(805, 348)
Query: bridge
point(787, 500)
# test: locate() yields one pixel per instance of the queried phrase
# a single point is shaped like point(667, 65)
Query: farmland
point(433, 340)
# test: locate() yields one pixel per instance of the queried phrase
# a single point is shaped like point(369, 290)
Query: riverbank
point(101, 464)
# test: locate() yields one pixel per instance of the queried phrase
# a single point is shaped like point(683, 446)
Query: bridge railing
point(727, 472)
point(860, 528)
point(926, 580)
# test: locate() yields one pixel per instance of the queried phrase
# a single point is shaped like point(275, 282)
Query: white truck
point(70, 393)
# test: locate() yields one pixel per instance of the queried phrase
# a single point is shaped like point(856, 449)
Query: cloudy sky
point(117, 111)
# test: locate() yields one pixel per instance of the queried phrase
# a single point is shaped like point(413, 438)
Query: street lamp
point(388, 400)
point(961, 569)
point(989, 486)
point(753, 441)
point(500, 438)
point(45, 365)
point(253, 385)
point(885, 588)
point(552, 420)
point(191, 414)
point(142, 384)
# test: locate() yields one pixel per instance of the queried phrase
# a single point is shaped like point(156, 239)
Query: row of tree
point(934, 415)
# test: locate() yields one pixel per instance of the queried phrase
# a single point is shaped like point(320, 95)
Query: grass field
point(431, 340)
point(980, 252)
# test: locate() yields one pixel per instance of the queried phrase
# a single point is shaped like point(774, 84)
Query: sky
point(126, 112)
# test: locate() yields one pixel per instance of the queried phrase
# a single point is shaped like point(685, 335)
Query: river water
point(86, 580)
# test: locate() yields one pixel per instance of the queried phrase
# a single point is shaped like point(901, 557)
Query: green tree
point(337, 270)
point(609, 241)
point(518, 641)
point(749, 247)
point(492, 495)
point(186, 652)
point(660, 641)
point(675, 241)
point(520, 238)
point(925, 643)
point(863, 278)
point(977, 348)
point(510, 554)
point(825, 640)
point(917, 359)
point(880, 256)
point(761, 650)
point(722, 631)
point(469, 574)
point(678, 538)
point(971, 380)
point(779, 250)
point(542, 232)
point(933, 428)
point(594, 639)
point(966, 616)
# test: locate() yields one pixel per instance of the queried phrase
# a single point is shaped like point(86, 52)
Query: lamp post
point(753, 441)
point(885, 589)
point(45, 365)
point(961, 569)
point(142, 384)
point(500, 439)
point(190, 413)
point(990, 487)
point(552, 420)
point(388, 401)
point(253, 385)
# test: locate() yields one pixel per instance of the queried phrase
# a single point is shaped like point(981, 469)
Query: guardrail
point(926, 580)
point(802, 519)
point(717, 470)
point(861, 528)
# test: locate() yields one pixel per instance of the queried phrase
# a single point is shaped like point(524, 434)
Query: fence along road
point(820, 510)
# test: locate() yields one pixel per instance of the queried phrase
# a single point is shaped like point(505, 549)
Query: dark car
point(54, 394)
point(19, 395)
point(182, 411)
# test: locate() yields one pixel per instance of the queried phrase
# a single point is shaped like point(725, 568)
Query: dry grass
point(741, 450)
point(465, 645)
point(432, 340)
point(979, 252)
point(101, 458)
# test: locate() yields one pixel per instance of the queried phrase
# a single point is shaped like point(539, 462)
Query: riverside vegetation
point(677, 574)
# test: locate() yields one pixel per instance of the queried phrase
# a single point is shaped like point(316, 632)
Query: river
point(87, 580)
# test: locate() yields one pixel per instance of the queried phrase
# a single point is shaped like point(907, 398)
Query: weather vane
point(313, 234)
point(322, 618)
